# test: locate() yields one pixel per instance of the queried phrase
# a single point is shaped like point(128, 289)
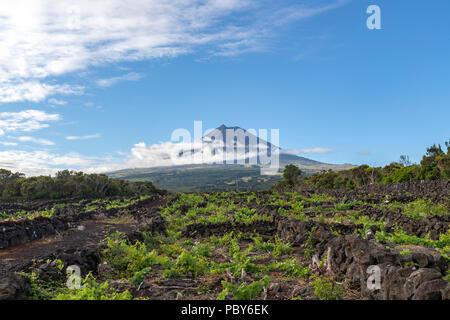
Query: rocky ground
point(302, 244)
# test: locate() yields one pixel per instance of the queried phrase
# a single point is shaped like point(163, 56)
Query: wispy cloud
point(32, 90)
point(8, 144)
point(92, 136)
point(297, 12)
point(53, 38)
point(27, 120)
point(43, 162)
point(54, 101)
point(308, 151)
point(132, 76)
point(43, 142)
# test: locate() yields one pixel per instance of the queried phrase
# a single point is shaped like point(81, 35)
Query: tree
point(434, 151)
point(8, 176)
point(291, 174)
point(8, 179)
point(430, 158)
point(404, 160)
point(444, 166)
point(429, 169)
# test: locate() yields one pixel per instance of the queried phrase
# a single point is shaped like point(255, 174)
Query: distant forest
point(68, 184)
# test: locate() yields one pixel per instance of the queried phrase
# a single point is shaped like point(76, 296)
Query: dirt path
point(88, 234)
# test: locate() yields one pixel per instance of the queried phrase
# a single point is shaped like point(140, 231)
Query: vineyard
point(302, 244)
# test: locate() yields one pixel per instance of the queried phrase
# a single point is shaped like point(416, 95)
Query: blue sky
point(309, 68)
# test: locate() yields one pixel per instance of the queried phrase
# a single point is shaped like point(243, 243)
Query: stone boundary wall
point(25, 230)
point(435, 190)
point(348, 257)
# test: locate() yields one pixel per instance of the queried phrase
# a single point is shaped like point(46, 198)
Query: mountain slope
point(191, 178)
point(211, 177)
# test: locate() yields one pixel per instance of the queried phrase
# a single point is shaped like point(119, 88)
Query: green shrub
point(423, 208)
point(401, 237)
point(281, 248)
point(44, 290)
point(128, 259)
point(188, 262)
point(263, 246)
point(91, 290)
point(140, 276)
point(244, 291)
point(203, 250)
point(310, 243)
point(291, 267)
point(327, 289)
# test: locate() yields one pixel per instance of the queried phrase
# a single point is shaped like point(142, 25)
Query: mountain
point(244, 174)
point(285, 158)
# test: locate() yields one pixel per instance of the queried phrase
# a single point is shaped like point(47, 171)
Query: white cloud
point(42, 162)
point(168, 154)
point(308, 151)
point(57, 102)
point(27, 120)
point(132, 76)
point(239, 47)
point(34, 91)
point(173, 154)
point(8, 144)
point(298, 12)
point(92, 136)
point(52, 38)
point(43, 142)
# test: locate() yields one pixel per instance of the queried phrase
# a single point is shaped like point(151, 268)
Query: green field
point(203, 178)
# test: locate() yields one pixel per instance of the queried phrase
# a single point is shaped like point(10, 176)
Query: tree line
point(435, 164)
point(68, 184)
